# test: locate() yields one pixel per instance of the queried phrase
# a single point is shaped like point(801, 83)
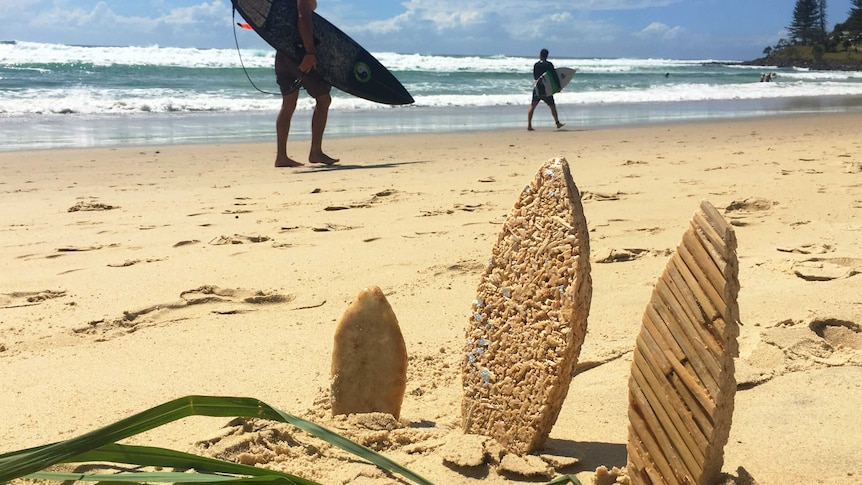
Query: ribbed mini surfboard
point(682, 384)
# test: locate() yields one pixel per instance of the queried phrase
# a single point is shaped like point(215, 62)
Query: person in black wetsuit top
point(540, 68)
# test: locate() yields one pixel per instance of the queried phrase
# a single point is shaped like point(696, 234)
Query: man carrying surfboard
point(289, 83)
point(539, 69)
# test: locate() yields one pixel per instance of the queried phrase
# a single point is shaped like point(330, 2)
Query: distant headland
point(810, 57)
point(810, 45)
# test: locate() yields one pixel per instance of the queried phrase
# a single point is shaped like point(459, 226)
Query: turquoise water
point(72, 96)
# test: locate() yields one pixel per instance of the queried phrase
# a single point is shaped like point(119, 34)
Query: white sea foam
point(60, 79)
point(22, 53)
point(32, 52)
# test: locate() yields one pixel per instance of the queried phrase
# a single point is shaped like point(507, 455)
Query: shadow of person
point(742, 477)
point(591, 454)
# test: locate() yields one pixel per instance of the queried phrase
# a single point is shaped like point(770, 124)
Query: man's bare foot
point(321, 158)
point(529, 128)
point(560, 125)
point(287, 162)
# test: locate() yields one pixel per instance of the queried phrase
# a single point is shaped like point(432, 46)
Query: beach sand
point(132, 276)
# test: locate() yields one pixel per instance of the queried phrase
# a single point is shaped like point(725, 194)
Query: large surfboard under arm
point(553, 82)
point(341, 61)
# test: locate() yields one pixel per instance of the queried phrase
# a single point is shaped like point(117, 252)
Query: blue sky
point(684, 29)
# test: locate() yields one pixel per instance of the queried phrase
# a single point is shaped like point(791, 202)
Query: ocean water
point(79, 96)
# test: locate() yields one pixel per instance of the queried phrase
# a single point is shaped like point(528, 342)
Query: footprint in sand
point(224, 301)
point(852, 167)
point(751, 204)
point(471, 207)
point(237, 239)
point(817, 343)
point(186, 243)
point(753, 207)
point(807, 249)
point(377, 198)
point(433, 213)
point(331, 228)
point(827, 269)
point(91, 205)
point(799, 346)
point(78, 249)
point(28, 298)
point(623, 255)
point(463, 267)
point(601, 197)
point(132, 262)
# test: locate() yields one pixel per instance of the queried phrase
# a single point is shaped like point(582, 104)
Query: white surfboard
point(549, 84)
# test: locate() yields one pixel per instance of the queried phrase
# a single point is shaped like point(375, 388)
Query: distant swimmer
point(540, 68)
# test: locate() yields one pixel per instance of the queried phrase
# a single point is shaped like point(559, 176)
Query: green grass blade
point(560, 480)
point(29, 461)
point(148, 477)
point(161, 457)
point(351, 446)
point(18, 464)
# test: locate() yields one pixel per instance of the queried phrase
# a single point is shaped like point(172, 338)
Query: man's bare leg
point(282, 130)
point(556, 119)
point(318, 126)
point(530, 116)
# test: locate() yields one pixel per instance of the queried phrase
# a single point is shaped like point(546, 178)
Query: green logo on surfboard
point(362, 72)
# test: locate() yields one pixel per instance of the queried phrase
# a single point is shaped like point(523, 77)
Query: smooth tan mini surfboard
point(530, 315)
point(369, 358)
point(682, 385)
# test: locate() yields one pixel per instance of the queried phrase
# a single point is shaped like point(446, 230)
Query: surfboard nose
point(389, 90)
point(401, 98)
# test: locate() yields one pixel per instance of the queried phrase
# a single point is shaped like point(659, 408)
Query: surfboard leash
point(293, 88)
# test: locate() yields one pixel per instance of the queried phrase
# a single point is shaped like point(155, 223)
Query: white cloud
point(204, 12)
point(185, 26)
point(658, 30)
point(617, 4)
point(562, 17)
point(506, 20)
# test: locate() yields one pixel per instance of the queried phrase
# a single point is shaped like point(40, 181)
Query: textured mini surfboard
point(553, 82)
point(340, 60)
point(682, 385)
point(530, 316)
point(369, 358)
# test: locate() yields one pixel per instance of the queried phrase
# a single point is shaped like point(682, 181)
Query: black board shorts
point(549, 100)
point(286, 79)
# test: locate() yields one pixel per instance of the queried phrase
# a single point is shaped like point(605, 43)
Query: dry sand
point(203, 270)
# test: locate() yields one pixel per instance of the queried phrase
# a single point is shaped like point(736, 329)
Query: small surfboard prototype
point(340, 60)
point(369, 358)
point(682, 385)
point(553, 82)
point(530, 316)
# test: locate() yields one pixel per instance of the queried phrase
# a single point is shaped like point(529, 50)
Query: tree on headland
point(854, 18)
point(810, 44)
point(809, 22)
point(821, 20)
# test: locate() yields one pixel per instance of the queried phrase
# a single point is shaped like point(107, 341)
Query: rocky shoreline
point(823, 65)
